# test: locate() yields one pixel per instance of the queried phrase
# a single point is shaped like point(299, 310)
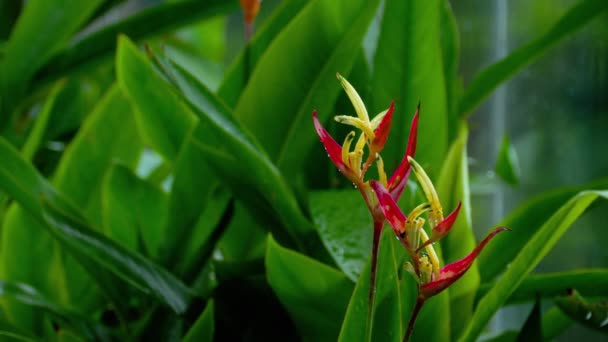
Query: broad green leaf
point(302, 79)
point(592, 282)
point(9, 12)
point(453, 187)
point(525, 221)
point(78, 176)
point(239, 160)
point(532, 328)
point(491, 77)
point(133, 211)
point(507, 164)
point(527, 258)
point(590, 314)
point(45, 205)
point(68, 336)
point(314, 294)
point(555, 323)
point(408, 70)
point(345, 226)
point(237, 75)
point(450, 47)
point(202, 330)
point(27, 49)
point(150, 21)
point(29, 296)
point(36, 137)
point(387, 311)
point(15, 337)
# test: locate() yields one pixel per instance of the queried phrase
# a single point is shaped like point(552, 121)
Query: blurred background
point(555, 115)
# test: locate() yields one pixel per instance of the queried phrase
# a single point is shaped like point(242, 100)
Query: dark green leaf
point(489, 79)
point(532, 329)
point(160, 18)
point(528, 257)
point(387, 323)
point(408, 69)
point(76, 235)
point(450, 47)
point(28, 49)
point(525, 221)
point(202, 330)
point(590, 314)
point(345, 226)
point(507, 164)
point(589, 282)
point(29, 296)
point(555, 322)
point(315, 295)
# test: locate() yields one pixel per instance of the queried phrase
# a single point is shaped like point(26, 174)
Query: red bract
point(391, 211)
point(452, 272)
point(396, 183)
point(334, 150)
point(382, 131)
point(443, 228)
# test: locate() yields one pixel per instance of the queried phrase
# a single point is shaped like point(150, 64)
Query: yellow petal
point(354, 98)
point(381, 172)
point(436, 214)
point(377, 119)
point(346, 146)
point(430, 251)
point(360, 124)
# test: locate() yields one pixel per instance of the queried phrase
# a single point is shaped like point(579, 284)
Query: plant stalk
point(372, 277)
point(410, 327)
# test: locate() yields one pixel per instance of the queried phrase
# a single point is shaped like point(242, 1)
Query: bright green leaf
point(525, 221)
point(408, 69)
point(507, 164)
point(590, 282)
point(387, 322)
point(528, 257)
point(345, 226)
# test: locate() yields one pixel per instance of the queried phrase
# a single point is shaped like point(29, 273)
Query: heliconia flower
point(452, 272)
point(251, 9)
point(396, 183)
point(432, 278)
point(334, 150)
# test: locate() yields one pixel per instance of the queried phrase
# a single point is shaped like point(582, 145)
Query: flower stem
point(410, 327)
point(372, 276)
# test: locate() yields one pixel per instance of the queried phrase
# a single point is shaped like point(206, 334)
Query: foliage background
point(87, 117)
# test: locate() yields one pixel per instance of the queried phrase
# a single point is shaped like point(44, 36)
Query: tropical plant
point(150, 194)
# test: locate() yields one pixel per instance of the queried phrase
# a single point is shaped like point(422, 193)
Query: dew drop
point(589, 315)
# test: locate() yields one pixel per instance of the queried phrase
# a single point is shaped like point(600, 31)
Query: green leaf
point(29, 296)
point(525, 221)
point(453, 187)
point(555, 322)
point(507, 164)
point(491, 77)
point(238, 74)
point(28, 49)
point(36, 137)
point(527, 258)
point(314, 294)
point(305, 77)
point(408, 69)
point(345, 226)
point(150, 21)
point(590, 314)
point(450, 47)
point(239, 160)
point(590, 282)
point(387, 323)
point(133, 211)
point(79, 238)
point(202, 330)
point(532, 329)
